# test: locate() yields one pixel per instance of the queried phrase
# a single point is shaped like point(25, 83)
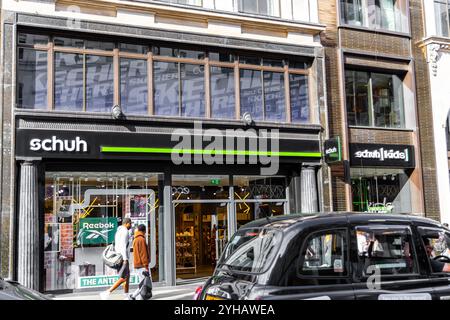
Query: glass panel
point(68, 81)
point(100, 45)
point(325, 255)
point(188, 187)
point(75, 235)
point(351, 11)
point(250, 60)
point(191, 54)
point(223, 103)
point(298, 88)
point(297, 65)
point(301, 10)
point(259, 188)
point(262, 7)
point(68, 42)
point(133, 48)
point(273, 63)
point(356, 88)
point(133, 86)
point(167, 88)
point(252, 250)
point(32, 79)
point(251, 93)
point(437, 246)
point(99, 83)
point(250, 211)
point(274, 96)
point(381, 190)
point(193, 90)
point(32, 39)
point(221, 56)
point(165, 51)
point(200, 237)
point(387, 249)
point(441, 16)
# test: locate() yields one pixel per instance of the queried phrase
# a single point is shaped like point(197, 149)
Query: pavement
point(179, 292)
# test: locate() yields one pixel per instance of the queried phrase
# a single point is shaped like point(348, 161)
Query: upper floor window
point(186, 2)
point(442, 13)
point(377, 14)
point(262, 7)
point(374, 99)
point(160, 80)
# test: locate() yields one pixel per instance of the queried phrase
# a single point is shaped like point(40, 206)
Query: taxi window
point(436, 243)
point(385, 249)
point(324, 254)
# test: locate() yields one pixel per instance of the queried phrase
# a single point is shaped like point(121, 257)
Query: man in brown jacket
point(140, 256)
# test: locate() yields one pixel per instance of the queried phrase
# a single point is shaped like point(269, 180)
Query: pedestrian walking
point(122, 246)
point(140, 260)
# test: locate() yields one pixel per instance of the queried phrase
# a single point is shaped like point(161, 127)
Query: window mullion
point(287, 93)
point(116, 71)
point(50, 77)
point(180, 91)
point(237, 90)
point(263, 96)
point(84, 82)
point(372, 111)
point(150, 93)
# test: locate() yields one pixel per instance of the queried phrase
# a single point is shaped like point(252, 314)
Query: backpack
point(145, 287)
point(112, 258)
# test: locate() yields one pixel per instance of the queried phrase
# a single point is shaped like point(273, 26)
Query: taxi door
point(385, 264)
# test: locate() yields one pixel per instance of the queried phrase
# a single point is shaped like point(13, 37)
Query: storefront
point(380, 177)
point(88, 181)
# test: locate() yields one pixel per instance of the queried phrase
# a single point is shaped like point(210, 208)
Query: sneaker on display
point(105, 295)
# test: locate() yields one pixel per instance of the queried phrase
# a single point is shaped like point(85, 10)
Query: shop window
point(380, 190)
point(32, 79)
point(69, 73)
point(324, 255)
point(385, 249)
point(223, 104)
point(442, 13)
point(133, 86)
point(378, 14)
point(437, 247)
point(99, 83)
point(374, 99)
point(81, 214)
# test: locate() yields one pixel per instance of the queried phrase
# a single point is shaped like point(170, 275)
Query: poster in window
point(138, 206)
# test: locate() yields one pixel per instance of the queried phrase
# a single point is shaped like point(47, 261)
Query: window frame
point(388, 276)
point(347, 263)
point(439, 31)
point(370, 99)
point(420, 230)
point(151, 57)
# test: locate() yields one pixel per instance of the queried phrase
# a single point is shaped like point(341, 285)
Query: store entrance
point(200, 236)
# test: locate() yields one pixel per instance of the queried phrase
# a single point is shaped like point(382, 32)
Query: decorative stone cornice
point(433, 55)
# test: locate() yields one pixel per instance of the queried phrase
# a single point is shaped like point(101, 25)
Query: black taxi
point(334, 256)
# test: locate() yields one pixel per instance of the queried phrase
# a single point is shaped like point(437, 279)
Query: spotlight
point(247, 118)
point(116, 112)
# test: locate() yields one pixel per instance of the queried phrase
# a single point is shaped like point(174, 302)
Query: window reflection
point(222, 93)
point(68, 81)
point(134, 88)
point(167, 88)
point(32, 79)
point(193, 90)
point(274, 96)
point(298, 89)
point(99, 83)
point(251, 93)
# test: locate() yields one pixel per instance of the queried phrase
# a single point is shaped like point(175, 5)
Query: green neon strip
point(212, 152)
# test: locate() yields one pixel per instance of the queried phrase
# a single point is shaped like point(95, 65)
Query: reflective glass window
point(274, 96)
point(167, 88)
point(251, 93)
point(133, 86)
point(193, 90)
point(357, 96)
point(68, 81)
point(32, 79)
point(223, 102)
point(99, 83)
point(298, 89)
